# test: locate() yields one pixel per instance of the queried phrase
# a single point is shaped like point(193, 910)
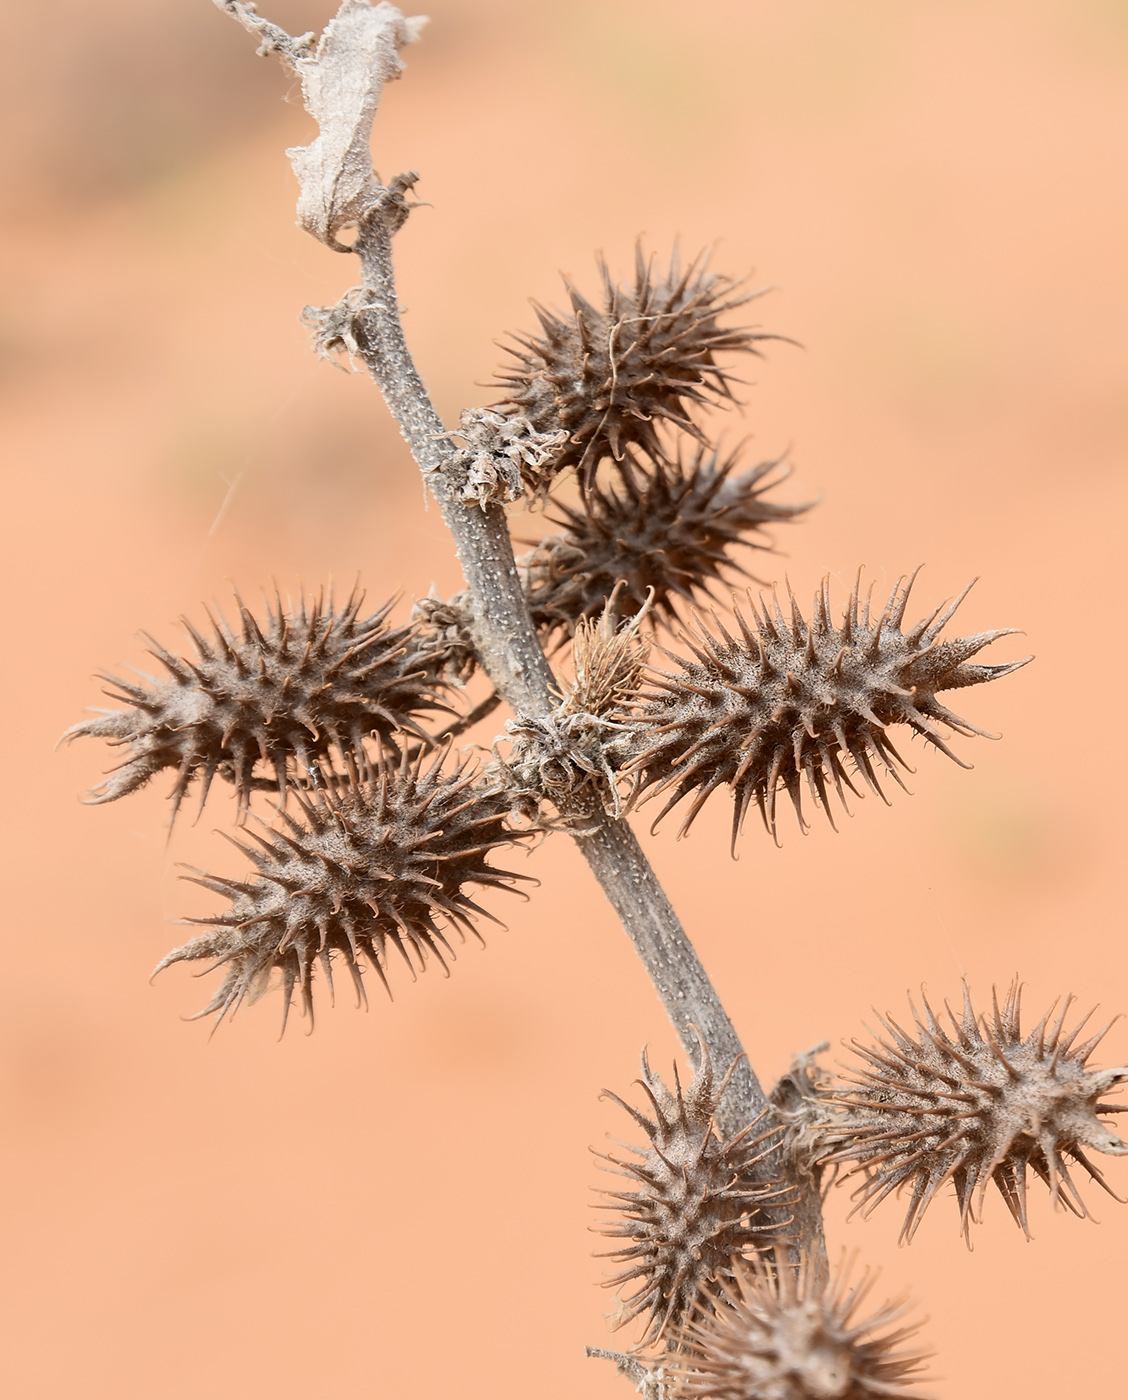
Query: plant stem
point(629, 882)
point(511, 655)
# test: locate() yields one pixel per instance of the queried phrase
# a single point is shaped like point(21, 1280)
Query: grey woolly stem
point(510, 652)
point(506, 644)
point(629, 882)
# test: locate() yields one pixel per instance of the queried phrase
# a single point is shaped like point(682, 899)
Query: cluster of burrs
point(785, 704)
point(727, 1309)
point(378, 838)
point(338, 713)
point(618, 386)
point(381, 837)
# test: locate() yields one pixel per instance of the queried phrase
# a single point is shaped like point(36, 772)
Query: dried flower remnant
point(503, 460)
point(803, 1101)
point(790, 701)
point(449, 623)
point(312, 682)
point(781, 1333)
point(669, 528)
point(698, 1210)
point(569, 757)
point(977, 1103)
point(375, 866)
point(608, 662)
point(610, 375)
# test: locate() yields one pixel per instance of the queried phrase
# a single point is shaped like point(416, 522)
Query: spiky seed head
point(668, 527)
point(610, 375)
point(976, 1101)
point(363, 870)
point(789, 703)
point(777, 1332)
point(698, 1208)
point(288, 697)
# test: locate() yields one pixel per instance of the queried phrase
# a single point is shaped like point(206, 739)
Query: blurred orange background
point(400, 1203)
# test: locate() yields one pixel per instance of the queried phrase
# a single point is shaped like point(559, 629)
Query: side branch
point(272, 37)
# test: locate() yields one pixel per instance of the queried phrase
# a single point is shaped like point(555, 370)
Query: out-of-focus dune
point(400, 1203)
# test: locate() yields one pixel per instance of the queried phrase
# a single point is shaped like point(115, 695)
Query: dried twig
point(367, 322)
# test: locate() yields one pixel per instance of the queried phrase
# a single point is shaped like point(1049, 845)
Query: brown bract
point(610, 375)
point(698, 1209)
point(670, 528)
point(503, 460)
point(374, 867)
point(568, 758)
point(977, 1102)
point(789, 703)
point(781, 1333)
point(311, 684)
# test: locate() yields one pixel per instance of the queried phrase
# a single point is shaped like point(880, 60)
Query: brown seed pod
point(790, 701)
point(379, 865)
point(698, 1211)
point(781, 1333)
point(314, 681)
point(973, 1104)
point(608, 375)
point(668, 527)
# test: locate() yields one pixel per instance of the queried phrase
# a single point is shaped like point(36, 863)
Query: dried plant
point(379, 842)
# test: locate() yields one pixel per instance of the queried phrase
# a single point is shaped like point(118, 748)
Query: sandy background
point(399, 1204)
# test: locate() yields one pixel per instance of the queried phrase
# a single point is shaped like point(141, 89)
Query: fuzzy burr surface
point(697, 1211)
point(377, 866)
point(976, 1102)
point(290, 696)
point(790, 703)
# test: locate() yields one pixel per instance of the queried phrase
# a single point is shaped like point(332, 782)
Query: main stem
point(511, 655)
